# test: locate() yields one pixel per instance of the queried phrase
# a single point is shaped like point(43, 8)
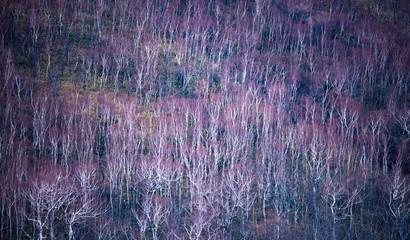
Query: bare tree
point(153, 213)
point(46, 194)
point(396, 190)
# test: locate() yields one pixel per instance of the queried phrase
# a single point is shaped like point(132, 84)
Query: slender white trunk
point(70, 231)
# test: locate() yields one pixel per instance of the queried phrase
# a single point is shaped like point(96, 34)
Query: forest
point(204, 119)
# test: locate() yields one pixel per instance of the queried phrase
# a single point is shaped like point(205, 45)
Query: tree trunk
point(70, 232)
point(40, 233)
point(52, 226)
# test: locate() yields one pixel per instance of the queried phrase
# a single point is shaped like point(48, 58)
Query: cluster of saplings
point(204, 119)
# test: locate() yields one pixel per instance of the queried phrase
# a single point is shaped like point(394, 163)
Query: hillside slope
point(204, 119)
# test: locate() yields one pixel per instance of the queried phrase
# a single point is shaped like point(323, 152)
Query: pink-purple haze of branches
point(193, 119)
